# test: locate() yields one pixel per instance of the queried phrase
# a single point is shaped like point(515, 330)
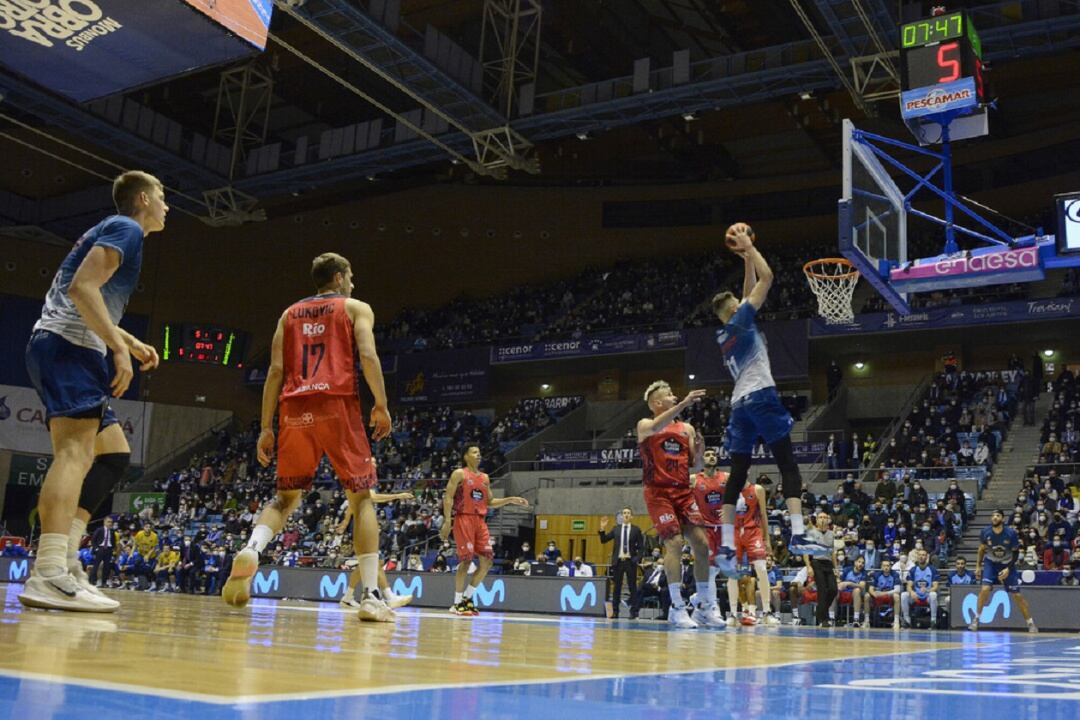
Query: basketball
point(730, 241)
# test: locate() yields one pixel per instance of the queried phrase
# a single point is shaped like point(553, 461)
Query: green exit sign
point(577, 524)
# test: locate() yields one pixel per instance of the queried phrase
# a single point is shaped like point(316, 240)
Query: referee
point(823, 568)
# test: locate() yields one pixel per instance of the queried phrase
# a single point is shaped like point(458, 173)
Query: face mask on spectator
point(926, 528)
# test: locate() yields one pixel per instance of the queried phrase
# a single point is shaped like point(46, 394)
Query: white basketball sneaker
point(396, 601)
point(62, 592)
point(237, 589)
point(350, 601)
point(770, 620)
point(680, 618)
point(709, 616)
point(83, 581)
point(373, 609)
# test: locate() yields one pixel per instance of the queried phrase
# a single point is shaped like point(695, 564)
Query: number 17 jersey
point(319, 349)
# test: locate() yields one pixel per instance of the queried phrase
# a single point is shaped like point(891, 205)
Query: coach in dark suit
point(625, 556)
point(102, 546)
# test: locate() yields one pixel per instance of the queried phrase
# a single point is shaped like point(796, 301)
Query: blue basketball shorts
point(990, 575)
point(72, 381)
point(759, 414)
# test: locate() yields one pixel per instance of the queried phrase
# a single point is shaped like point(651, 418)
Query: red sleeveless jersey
point(471, 496)
point(747, 511)
point(319, 349)
point(709, 495)
point(665, 457)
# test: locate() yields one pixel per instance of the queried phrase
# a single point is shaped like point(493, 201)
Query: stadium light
point(692, 376)
point(545, 387)
point(859, 365)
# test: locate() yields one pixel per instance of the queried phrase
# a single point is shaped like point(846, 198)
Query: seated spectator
point(581, 568)
point(1056, 556)
point(1068, 577)
point(884, 590)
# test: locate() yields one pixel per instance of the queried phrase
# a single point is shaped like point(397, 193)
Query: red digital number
point(952, 67)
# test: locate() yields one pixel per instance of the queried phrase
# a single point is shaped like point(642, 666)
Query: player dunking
point(65, 359)
point(665, 445)
point(997, 558)
point(313, 371)
point(465, 505)
point(756, 409)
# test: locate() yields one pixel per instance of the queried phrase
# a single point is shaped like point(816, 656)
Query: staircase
point(1019, 451)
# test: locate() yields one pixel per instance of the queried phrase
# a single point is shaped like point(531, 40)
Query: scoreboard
point(941, 66)
point(200, 343)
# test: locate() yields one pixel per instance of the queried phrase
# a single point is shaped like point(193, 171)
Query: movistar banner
point(86, 49)
point(564, 596)
point(1052, 608)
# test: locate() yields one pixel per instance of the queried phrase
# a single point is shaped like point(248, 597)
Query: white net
point(833, 281)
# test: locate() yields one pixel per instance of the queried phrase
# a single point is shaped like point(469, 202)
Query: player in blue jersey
point(852, 588)
point(922, 587)
point(885, 591)
point(756, 410)
point(997, 558)
point(65, 359)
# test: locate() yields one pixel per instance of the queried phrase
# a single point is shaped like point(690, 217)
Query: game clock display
point(941, 50)
point(189, 342)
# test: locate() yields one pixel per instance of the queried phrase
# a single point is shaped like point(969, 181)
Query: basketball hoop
point(833, 281)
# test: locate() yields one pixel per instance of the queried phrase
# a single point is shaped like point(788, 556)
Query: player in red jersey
point(465, 505)
point(313, 374)
point(752, 547)
point(708, 489)
point(665, 445)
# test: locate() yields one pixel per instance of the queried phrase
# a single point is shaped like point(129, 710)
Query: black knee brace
point(105, 474)
point(791, 479)
point(740, 470)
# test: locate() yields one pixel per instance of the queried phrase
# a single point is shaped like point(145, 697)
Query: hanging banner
point(447, 376)
point(589, 347)
point(953, 316)
point(22, 422)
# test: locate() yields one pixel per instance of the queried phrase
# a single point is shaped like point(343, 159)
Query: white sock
point(469, 590)
point(710, 591)
point(703, 593)
point(727, 532)
point(458, 598)
point(260, 538)
point(797, 527)
point(676, 595)
point(857, 617)
point(832, 615)
point(369, 571)
point(75, 536)
point(52, 555)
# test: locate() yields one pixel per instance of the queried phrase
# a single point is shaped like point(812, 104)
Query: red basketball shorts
point(317, 424)
point(670, 508)
point(472, 538)
point(750, 544)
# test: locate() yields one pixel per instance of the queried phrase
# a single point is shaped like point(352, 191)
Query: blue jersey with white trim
point(745, 353)
point(1000, 547)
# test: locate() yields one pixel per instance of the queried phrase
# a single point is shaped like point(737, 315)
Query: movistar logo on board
point(999, 600)
point(486, 598)
point(571, 598)
point(265, 584)
point(18, 570)
point(415, 586)
point(332, 587)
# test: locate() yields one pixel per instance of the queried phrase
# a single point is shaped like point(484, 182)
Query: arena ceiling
point(759, 97)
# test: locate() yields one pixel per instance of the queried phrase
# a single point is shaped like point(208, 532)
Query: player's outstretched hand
point(265, 447)
point(519, 501)
point(692, 397)
point(603, 522)
point(380, 420)
point(739, 238)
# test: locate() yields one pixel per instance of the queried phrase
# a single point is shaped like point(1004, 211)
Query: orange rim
point(850, 272)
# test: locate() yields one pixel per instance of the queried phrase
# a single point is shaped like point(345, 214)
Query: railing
point(898, 421)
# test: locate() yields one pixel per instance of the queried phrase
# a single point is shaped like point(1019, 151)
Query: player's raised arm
point(364, 329)
point(653, 425)
point(740, 238)
point(275, 376)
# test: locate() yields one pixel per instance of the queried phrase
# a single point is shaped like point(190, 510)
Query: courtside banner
point(503, 593)
point(1052, 608)
point(954, 316)
point(22, 422)
point(86, 49)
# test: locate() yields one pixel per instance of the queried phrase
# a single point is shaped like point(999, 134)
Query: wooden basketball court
point(181, 656)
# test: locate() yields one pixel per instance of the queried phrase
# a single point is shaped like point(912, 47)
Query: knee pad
point(105, 474)
point(740, 470)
